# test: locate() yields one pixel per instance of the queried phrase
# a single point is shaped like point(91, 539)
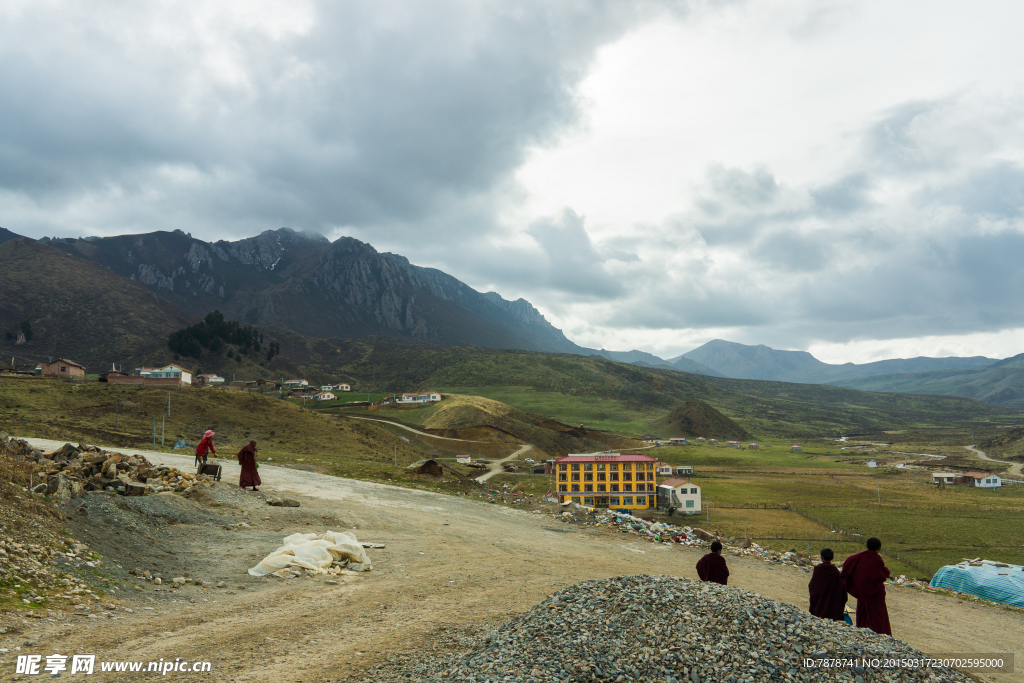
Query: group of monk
point(250, 475)
point(863, 576)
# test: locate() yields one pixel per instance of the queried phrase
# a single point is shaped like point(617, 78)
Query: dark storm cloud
point(371, 115)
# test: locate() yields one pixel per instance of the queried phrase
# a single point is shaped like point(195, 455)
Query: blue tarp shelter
point(986, 579)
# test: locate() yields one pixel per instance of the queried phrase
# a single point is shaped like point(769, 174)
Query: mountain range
point(156, 282)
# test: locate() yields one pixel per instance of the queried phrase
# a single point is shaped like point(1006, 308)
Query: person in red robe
point(712, 566)
point(864, 576)
point(828, 597)
point(247, 459)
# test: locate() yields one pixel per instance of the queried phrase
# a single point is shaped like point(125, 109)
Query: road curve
point(1016, 469)
point(414, 431)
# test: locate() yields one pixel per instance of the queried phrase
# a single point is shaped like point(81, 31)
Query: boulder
point(134, 488)
point(276, 502)
point(704, 535)
point(290, 503)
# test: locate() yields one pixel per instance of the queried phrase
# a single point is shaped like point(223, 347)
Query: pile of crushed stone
point(647, 629)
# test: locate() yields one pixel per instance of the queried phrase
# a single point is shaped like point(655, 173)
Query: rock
point(134, 488)
point(222, 584)
point(276, 502)
point(290, 502)
point(704, 535)
point(158, 581)
point(179, 581)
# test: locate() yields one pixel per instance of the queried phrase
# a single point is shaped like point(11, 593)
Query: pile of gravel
point(648, 629)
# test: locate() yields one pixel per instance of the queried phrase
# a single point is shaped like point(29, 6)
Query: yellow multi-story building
point(608, 481)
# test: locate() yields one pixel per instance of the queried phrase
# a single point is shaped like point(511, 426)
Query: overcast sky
point(840, 177)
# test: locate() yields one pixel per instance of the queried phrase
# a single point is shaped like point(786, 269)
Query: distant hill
point(1006, 446)
point(308, 284)
point(740, 361)
point(6, 235)
point(649, 360)
point(1000, 383)
point(697, 418)
point(79, 310)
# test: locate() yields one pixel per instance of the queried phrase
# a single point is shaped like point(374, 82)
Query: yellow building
point(608, 481)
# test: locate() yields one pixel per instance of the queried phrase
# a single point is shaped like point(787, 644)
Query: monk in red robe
point(828, 597)
point(712, 566)
point(247, 459)
point(864, 576)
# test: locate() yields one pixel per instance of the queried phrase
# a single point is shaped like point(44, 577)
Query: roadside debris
point(68, 471)
point(332, 552)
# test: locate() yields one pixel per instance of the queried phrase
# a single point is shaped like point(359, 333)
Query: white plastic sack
point(316, 553)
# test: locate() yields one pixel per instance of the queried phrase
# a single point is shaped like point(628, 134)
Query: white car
point(530, 460)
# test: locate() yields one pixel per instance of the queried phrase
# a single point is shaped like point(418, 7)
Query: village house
point(713, 442)
point(463, 459)
point(734, 444)
point(62, 367)
point(944, 477)
point(753, 447)
point(209, 379)
point(607, 481)
point(426, 397)
point(984, 480)
point(325, 396)
point(295, 384)
point(684, 470)
point(664, 470)
point(172, 371)
point(678, 441)
point(794, 449)
point(701, 439)
point(343, 387)
point(679, 494)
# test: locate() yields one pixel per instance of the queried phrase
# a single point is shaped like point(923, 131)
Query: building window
point(600, 467)
point(689, 503)
point(650, 487)
point(650, 465)
point(615, 488)
point(614, 476)
point(627, 500)
point(587, 476)
point(627, 487)
point(641, 500)
point(588, 466)
point(640, 476)
point(602, 501)
point(613, 466)
point(600, 476)
point(588, 487)
point(576, 468)
point(614, 501)
point(562, 467)
point(627, 476)
point(626, 466)
point(575, 476)
point(575, 488)
point(693, 491)
point(588, 501)
point(563, 487)
point(601, 488)
point(562, 477)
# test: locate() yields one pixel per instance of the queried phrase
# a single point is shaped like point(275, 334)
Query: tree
point(26, 329)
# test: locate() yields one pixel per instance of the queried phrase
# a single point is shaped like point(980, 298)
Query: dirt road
point(1016, 470)
point(451, 563)
point(414, 431)
point(496, 466)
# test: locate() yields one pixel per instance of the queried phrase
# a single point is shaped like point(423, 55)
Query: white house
point(324, 396)
point(983, 480)
point(681, 494)
point(210, 379)
point(944, 477)
point(463, 459)
point(872, 463)
point(172, 372)
point(684, 469)
point(296, 383)
point(343, 387)
point(794, 449)
point(678, 441)
point(664, 469)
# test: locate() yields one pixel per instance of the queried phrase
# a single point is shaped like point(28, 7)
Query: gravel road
point(453, 566)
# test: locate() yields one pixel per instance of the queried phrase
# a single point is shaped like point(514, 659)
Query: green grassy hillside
point(628, 399)
point(1000, 384)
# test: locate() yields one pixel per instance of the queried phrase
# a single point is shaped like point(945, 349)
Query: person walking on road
point(712, 566)
point(247, 459)
point(864, 576)
point(205, 446)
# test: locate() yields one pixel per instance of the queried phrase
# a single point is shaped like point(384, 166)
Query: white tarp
point(332, 552)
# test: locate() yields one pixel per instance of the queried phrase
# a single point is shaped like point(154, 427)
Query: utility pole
point(879, 494)
point(396, 455)
point(115, 414)
point(168, 404)
point(154, 433)
point(163, 423)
